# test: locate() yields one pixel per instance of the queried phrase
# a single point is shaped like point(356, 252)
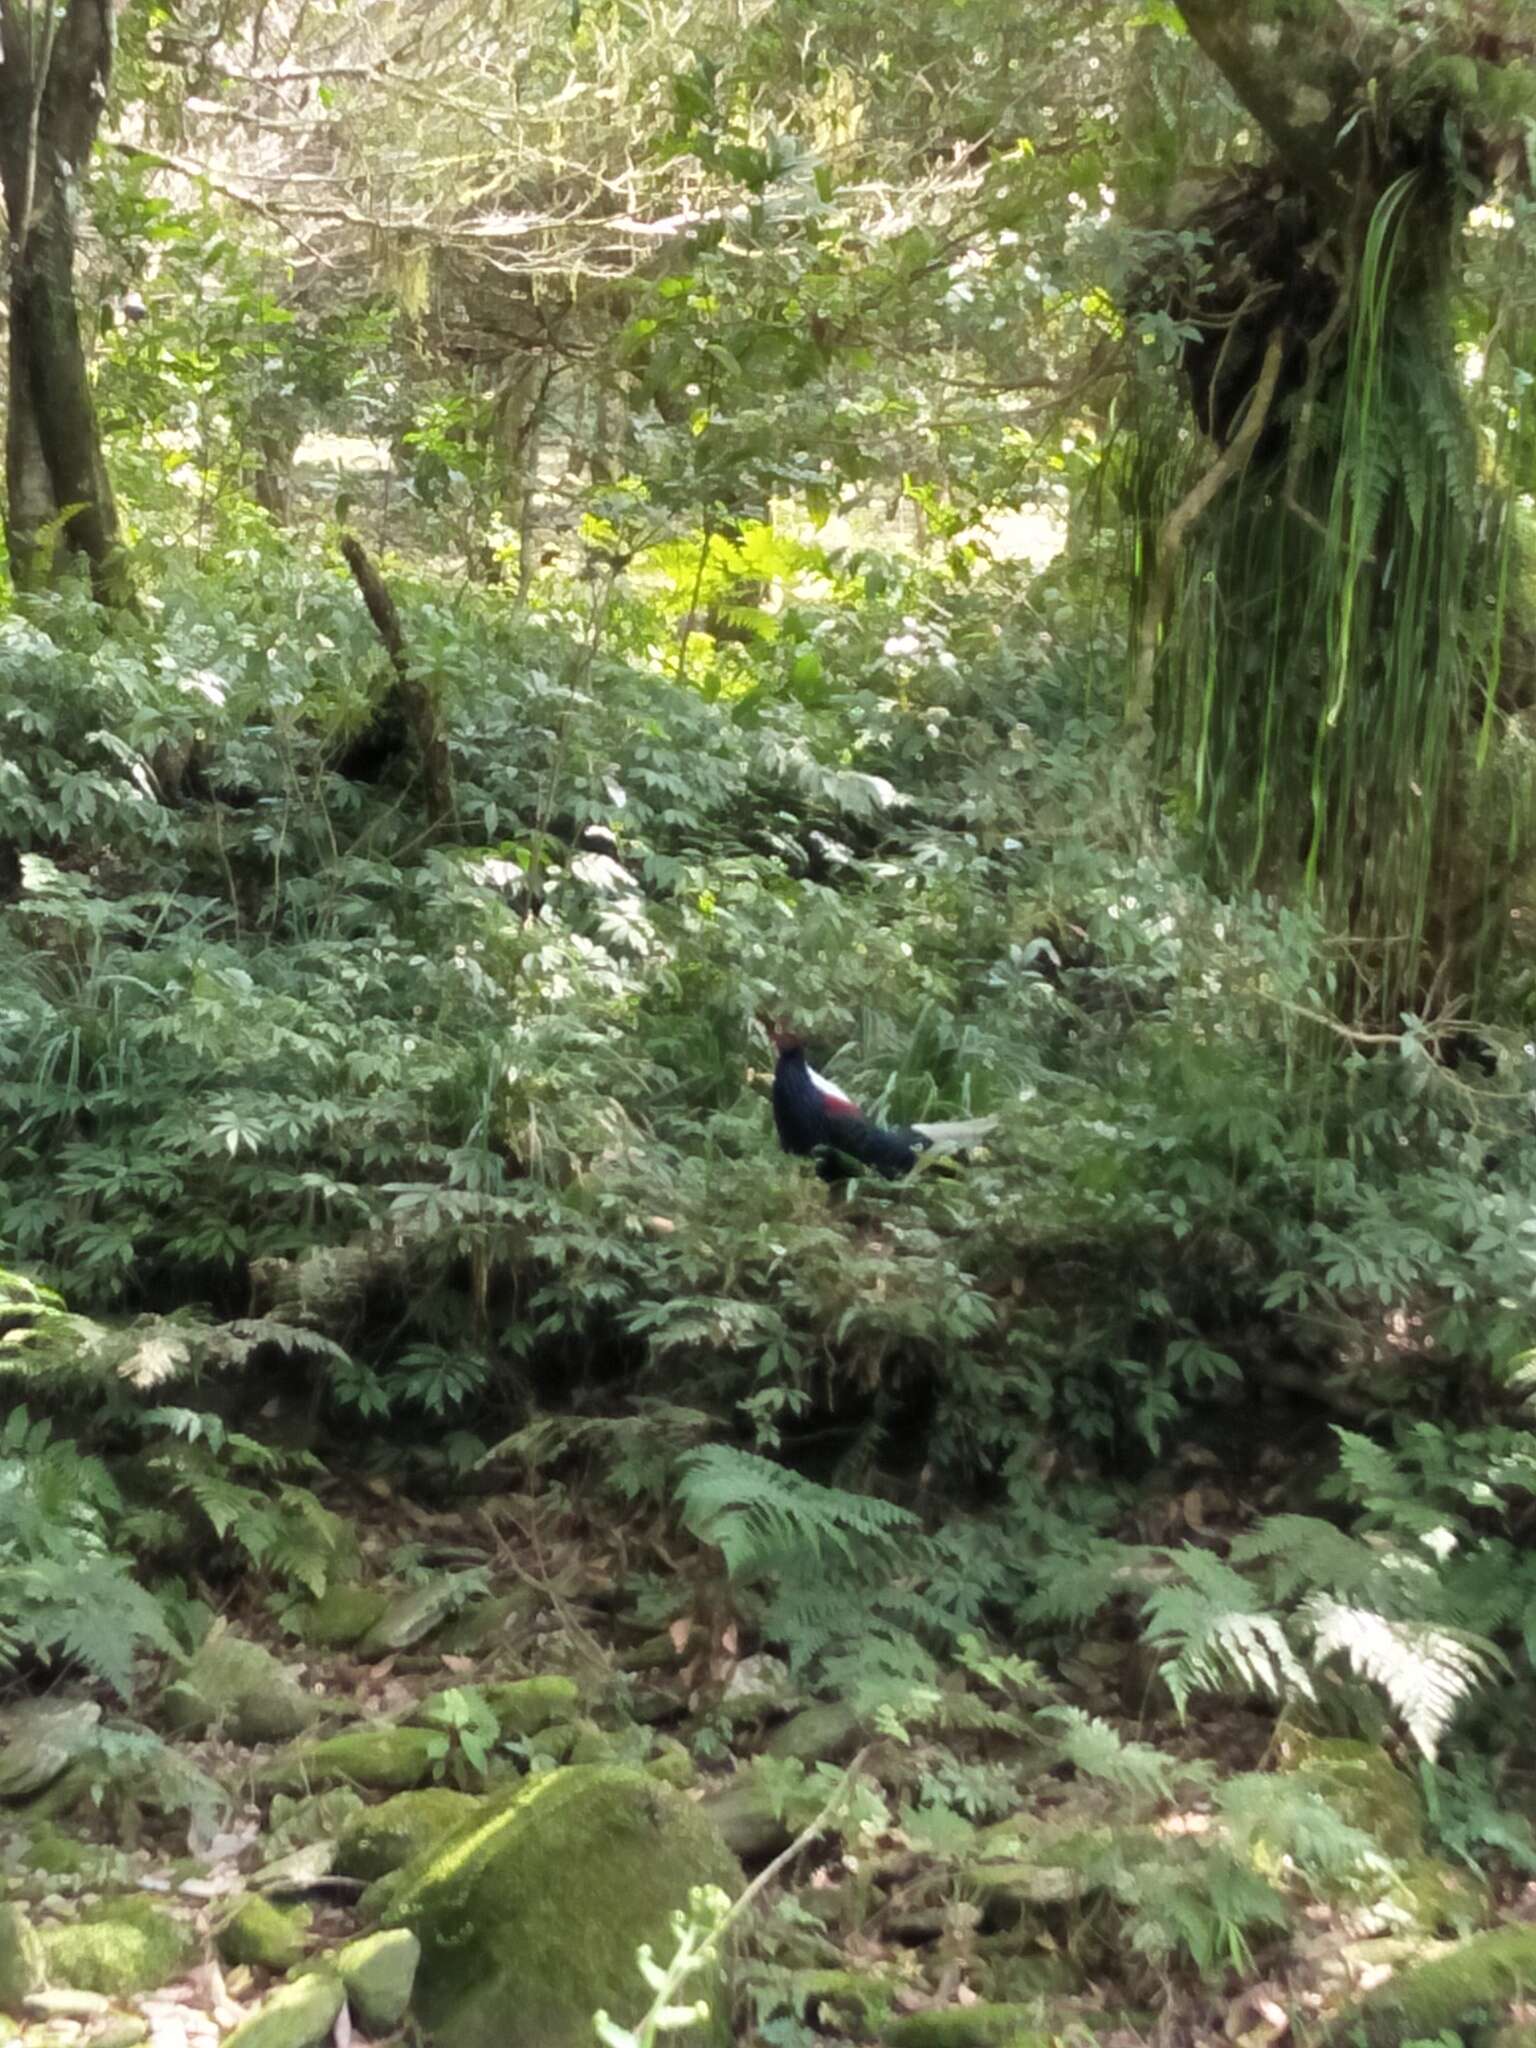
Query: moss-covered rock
point(409, 1616)
point(380, 1759)
point(850, 2001)
point(554, 1745)
point(55, 2006)
point(22, 1965)
point(1432, 1898)
point(1363, 1785)
point(593, 1745)
point(342, 1616)
point(70, 1792)
point(119, 1947)
point(317, 1817)
point(379, 1972)
point(537, 1908)
point(241, 1690)
point(118, 2030)
point(747, 1815)
point(1468, 1989)
point(522, 1707)
point(673, 1764)
point(297, 2015)
point(52, 1853)
point(968, 2026)
point(386, 1837)
point(525, 1706)
point(40, 1739)
point(821, 1734)
point(259, 1932)
point(484, 1625)
point(1006, 1974)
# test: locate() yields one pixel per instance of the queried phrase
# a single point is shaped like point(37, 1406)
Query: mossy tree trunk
point(1325, 673)
point(55, 65)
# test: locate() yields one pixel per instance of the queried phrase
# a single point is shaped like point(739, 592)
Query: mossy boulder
point(592, 1745)
point(379, 1972)
point(51, 1861)
point(521, 1706)
point(296, 2015)
point(535, 1910)
point(119, 1947)
point(826, 1733)
point(1364, 1787)
point(386, 1837)
point(58, 2007)
point(968, 2026)
point(380, 1759)
point(40, 1739)
point(342, 1616)
point(1467, 1990)
point(259, 1932)
point(526, 1706)
point(409, 1616)
point(118, 2030)
point(485, 1624)
point(673, 1764)
point(317, 1817)
point(748, 1817)
point(22, 1963)
point(849, 2001)
point(1433, 1898)
point(241, 1690)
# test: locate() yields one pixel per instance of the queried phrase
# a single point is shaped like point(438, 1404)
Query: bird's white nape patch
point(831, 1094)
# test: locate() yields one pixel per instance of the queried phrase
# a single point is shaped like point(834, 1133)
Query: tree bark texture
point(409, 697)
point(1295, 65)
point(55, 65)
point(1342, 743)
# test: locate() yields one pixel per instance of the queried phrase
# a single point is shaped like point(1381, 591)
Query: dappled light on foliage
point(601, 545)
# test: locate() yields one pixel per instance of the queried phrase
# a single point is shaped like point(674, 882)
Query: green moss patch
point(537, 1908)
point(379, 1972)
point(272, 1937)
point(118, 1948)
point(21, 1958)
point(297, 2015)
point(1468, 1989)
point(342, 1616)
point(385, 1837)
point(380, 1759)
point(241, 1689)
point(969, 2026)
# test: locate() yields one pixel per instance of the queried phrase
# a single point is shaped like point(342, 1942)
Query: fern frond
point(757, 1513)
point(1427, 1673)
point(1099, 1751)
point(1213, 1622)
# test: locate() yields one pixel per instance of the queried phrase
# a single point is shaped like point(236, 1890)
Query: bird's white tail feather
point(956, 1134)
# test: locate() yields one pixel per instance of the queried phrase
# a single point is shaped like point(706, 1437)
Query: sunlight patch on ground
point(351, 454)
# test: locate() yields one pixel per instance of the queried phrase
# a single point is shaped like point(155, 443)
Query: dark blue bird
point(816, 1120)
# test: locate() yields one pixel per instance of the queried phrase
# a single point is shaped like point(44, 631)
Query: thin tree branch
point(1176, 526)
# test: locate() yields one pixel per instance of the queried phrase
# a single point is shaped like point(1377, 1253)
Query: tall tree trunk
point(55, 65)
point(1322, 666)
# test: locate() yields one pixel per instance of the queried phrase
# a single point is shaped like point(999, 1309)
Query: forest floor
point(879, 1928)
